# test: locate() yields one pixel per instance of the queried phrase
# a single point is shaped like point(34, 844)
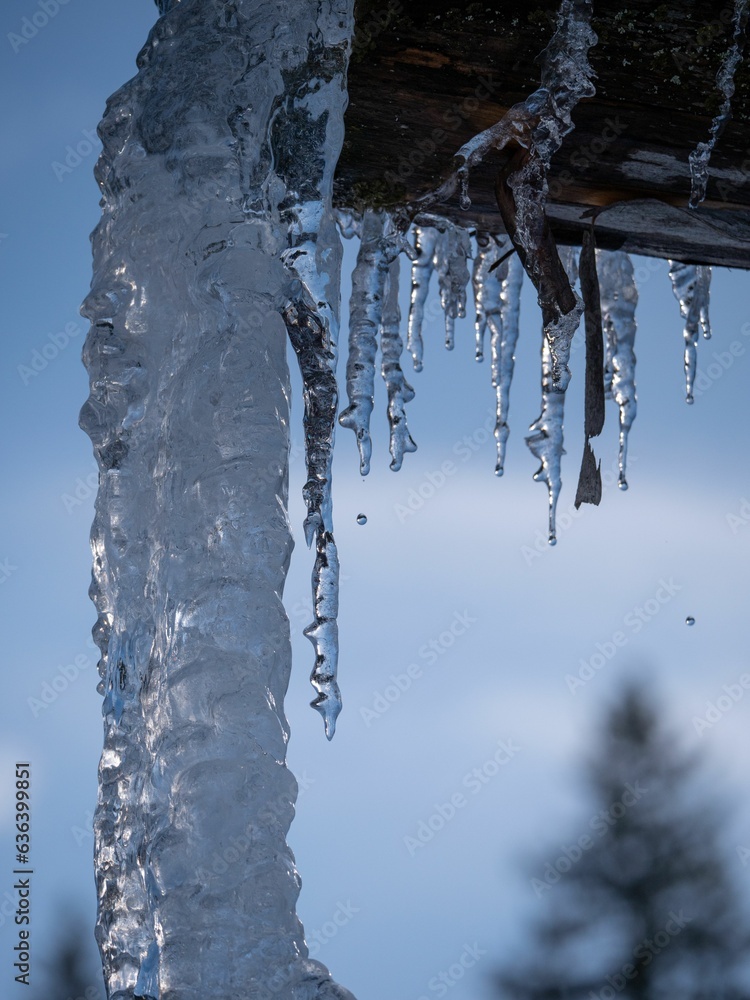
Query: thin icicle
point(486, 279)
point(365, 308)
point(399, 391)
point(546, 439)
point(701, 155)
point(535, 128)
point(425, 240)
point(381, 241)
point(497, 288)
point(504, 360)
point(619, 298)
point(315, 347)
point(451, 252)
point(691, 285)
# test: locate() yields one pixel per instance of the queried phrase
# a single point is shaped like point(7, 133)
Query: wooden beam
point(426, 77)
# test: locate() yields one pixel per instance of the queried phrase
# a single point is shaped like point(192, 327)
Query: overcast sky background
point(469, 551)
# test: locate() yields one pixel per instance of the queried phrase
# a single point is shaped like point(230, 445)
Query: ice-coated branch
point(541, 121)
point(217, 227)
point(700, 157)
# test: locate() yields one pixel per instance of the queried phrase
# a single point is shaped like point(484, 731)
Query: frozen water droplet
point(361, 518)
point(690, 620)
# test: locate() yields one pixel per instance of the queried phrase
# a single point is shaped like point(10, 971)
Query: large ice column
point(214, 226)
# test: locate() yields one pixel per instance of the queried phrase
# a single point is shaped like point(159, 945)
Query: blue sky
point(457, 632)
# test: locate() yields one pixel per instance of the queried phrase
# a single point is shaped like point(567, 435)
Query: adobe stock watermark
point(36, 22)
point(430, 652)
point(56, 685)
point(83, 491)
point(587, 155)
point(341, 916)
point(741, 519)
point(644, 954)
point(440, 984)
point(600, 823)
point(278, 809)
point(367, 33)
point(716, 710)
point(7, 569)
point(633, 622)
point(706, 378)
point(474, 782)
point(75, 155)
point(432, 482)
point(568, 517)
point(42, 356)
point(452, 120)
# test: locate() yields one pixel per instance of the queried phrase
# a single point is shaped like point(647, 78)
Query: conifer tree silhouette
point(642, 906)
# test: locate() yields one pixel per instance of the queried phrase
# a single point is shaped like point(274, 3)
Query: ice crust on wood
point(701, 156)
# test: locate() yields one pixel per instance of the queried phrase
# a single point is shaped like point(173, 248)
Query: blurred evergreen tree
point(72, 971)
point(642, 905)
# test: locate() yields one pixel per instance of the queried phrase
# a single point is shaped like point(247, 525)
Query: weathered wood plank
point(426, 77)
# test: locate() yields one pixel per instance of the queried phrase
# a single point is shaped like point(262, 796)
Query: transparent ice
point(619, 298)
point(217, 239)
point(691, 284)
point(217, 233)
point(497, 277)
point(701, 155)
point(546, 439)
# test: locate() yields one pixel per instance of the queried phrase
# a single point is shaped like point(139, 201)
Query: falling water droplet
point(361, 518)
point(690, 620)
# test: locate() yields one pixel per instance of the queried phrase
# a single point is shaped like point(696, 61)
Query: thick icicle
point(399, 391)
point(365, 310)
point(546, 440)
point(701, 155)
point(188, 413)
point(451, 252)
point(486, 287)
point(691, 285)
point(425, 241)
point(619, 298)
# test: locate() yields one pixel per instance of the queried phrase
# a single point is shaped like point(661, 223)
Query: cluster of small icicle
point(496, 278)
point(528, 135)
